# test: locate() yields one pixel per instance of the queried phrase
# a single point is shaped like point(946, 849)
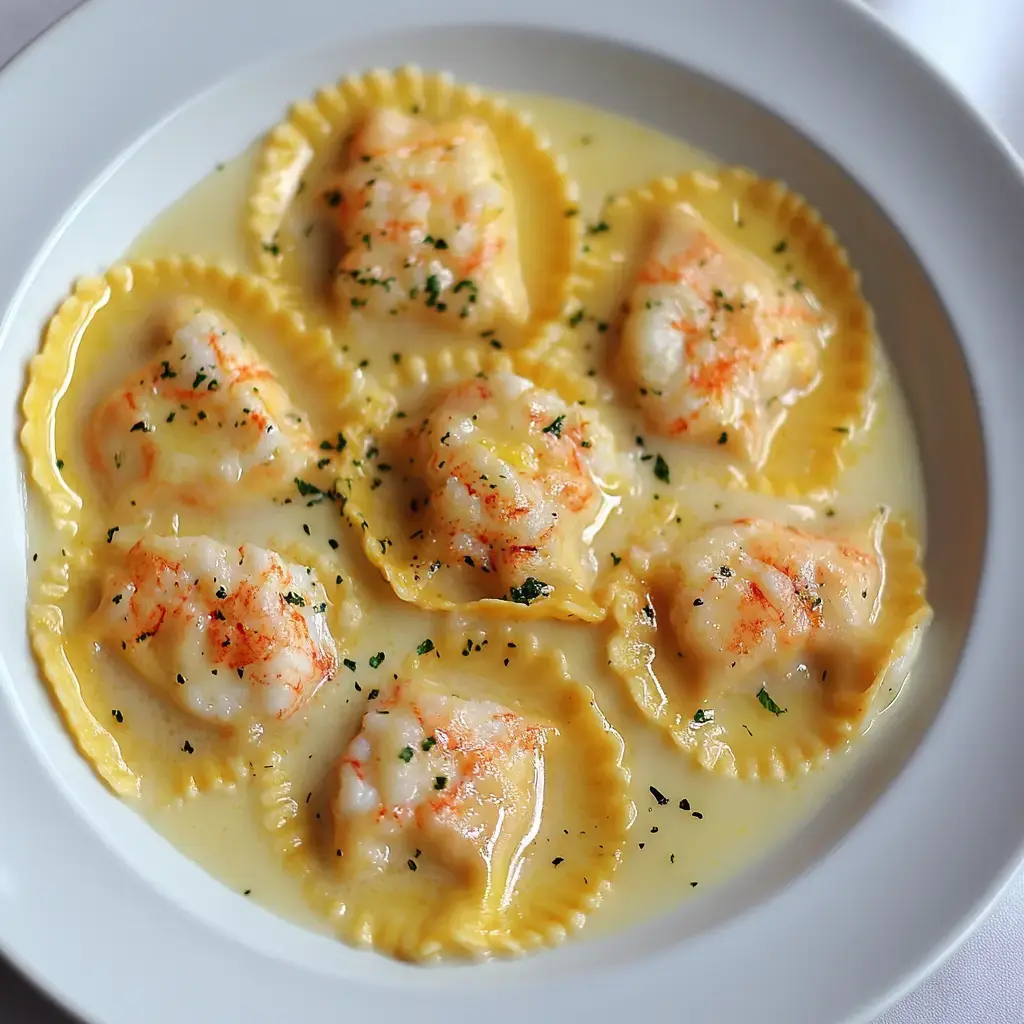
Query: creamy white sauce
point(669, 846)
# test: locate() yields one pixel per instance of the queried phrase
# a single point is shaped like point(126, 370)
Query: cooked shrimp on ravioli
point(206, 411)
point(716, 344)
point(758, 595)
point(231, 634)
point(445, 782)
point(514, 475)
point(428, 222)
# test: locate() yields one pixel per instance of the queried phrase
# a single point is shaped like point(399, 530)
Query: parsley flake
point(768, 704)
point(531, 589)
point(555, 426)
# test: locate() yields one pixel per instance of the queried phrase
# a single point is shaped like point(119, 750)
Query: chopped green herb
point(412, 864)
point(616, 559)
point(306, 489)
point(661, 470)
point(188, 748)
point(433, 289)
point(111, 532)
point(768, 704)
point(425, 647)
point(118, 717)
point(297, 599)
point(700, 716)
point(376, 660)
point(440, 781)
point(531, 589)
point(429, 742)
point(555, 426)
point(140, 425)
point(167, 371)
point(405, 754)
point(723, 437)
point(658, 796)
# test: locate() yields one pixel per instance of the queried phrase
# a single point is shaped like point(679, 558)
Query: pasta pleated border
point(312, 125)
point(633, 651)
point(544, 678)
point(358, 400)
point(447, 367)
point(807, 452)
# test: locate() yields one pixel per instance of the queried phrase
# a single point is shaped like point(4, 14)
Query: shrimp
point(230, 634)
point(428, 222)
point(715, 344)
point(756, 594)
point(205, 411)
point(511, 470)
point(434, 773)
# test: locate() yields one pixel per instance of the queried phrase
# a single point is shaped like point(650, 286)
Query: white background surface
point(980, 44)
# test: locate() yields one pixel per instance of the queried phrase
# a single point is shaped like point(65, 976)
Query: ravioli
point(428, 223)
point(476, 806)
point(722, 308)
point(504, 487)
point(716, 343)
point(206, 413)
point(400, 198)
point(759, 646)
point(231, 635)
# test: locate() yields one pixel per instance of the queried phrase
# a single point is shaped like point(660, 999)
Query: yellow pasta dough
point(759, 646)
point(430, 832)
point(737, 324)
point(191, 449)
point(409, 196)
point(489, 492)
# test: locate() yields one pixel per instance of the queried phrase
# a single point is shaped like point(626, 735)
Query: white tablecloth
point(980, 44)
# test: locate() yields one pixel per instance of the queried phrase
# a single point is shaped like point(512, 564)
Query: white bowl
point(125, 105)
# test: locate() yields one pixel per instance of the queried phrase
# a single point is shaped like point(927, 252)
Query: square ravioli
point(716, 344)
point(205, 413)
point(428, 222)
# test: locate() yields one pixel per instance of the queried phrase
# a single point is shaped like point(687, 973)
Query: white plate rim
point(993, 164)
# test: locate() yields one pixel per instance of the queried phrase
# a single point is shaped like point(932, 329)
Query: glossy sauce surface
point(690, 828)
